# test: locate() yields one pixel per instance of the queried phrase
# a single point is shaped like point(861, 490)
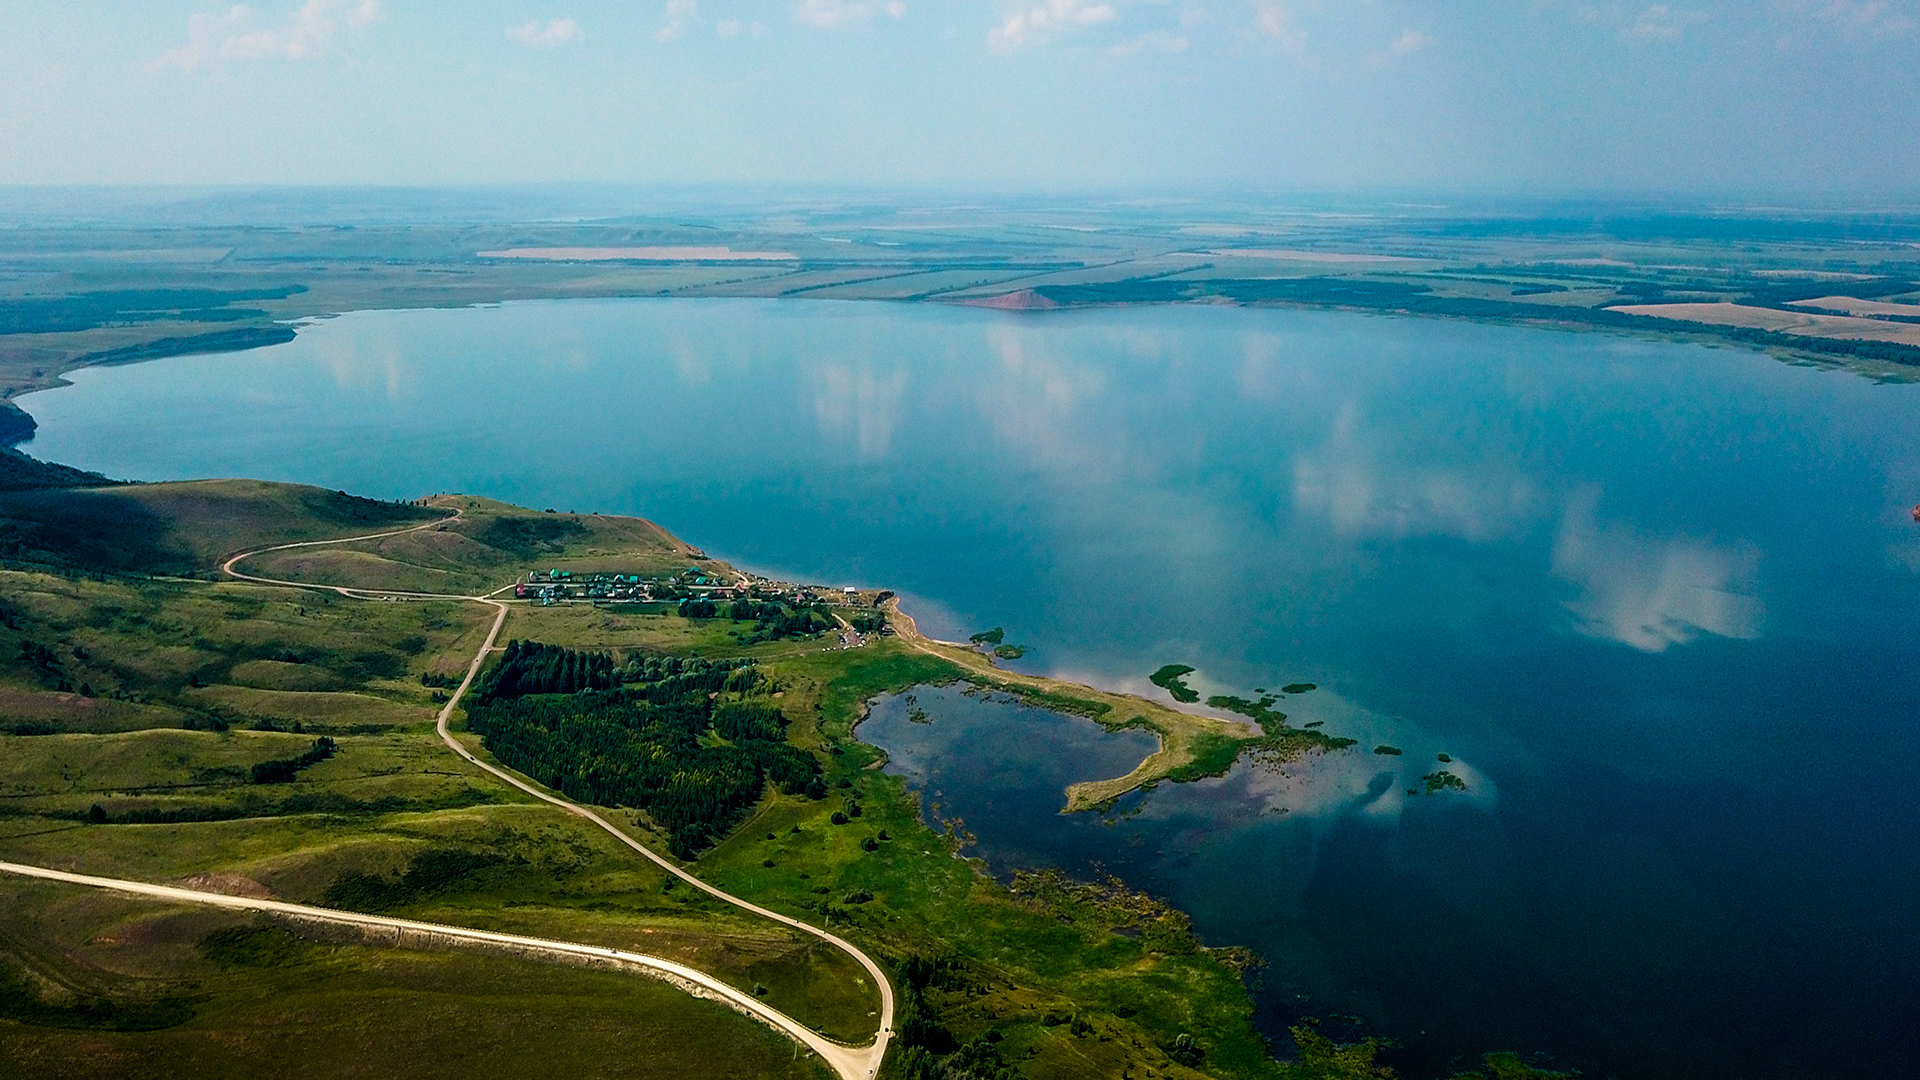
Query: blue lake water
point(1661, 604)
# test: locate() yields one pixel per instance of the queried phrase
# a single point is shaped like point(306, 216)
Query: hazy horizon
point(1803, 101)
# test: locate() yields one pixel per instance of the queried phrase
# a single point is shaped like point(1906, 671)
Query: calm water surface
point(1658, 601)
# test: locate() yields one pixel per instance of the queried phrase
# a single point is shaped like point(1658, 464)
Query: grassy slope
point(490, 545)
point(278, 1005)
point(184, 528)
point(19, 472)
point(173, 651)
point(1031, 961)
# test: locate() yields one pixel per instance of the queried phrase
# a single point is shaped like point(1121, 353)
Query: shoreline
point(1848, 354)
point(1182, 735)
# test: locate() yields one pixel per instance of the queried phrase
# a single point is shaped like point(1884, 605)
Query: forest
point(692, 742)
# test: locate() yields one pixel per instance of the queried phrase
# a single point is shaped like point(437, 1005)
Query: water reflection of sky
point(1659, 598)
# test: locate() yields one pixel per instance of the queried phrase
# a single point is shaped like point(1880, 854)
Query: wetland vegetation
point(1170, 677)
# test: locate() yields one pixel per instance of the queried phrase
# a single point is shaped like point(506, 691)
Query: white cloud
point(678, 16)
point(1850, 18)
point(1650, 594)
point(1273, 21)
point(236, 34)
point(727, 28)
point(1028, 25)
point(1409, 42)
point(1662, 23)
point(1159, 41)
point(831, 13)
point(554, 33)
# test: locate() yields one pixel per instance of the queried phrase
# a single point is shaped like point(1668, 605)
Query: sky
point(1763, 97)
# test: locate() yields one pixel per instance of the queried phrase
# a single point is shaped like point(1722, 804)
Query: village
point(778, 608)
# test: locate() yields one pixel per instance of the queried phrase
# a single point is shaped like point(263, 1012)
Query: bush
point(283, 770)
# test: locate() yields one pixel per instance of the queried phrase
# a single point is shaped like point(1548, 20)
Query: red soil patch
point(1024, 300)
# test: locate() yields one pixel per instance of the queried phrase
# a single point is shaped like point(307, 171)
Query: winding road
point(850, 1062)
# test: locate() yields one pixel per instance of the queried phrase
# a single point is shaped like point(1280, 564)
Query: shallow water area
point(1656, 601)
point(1239, 852)
point(979, 757)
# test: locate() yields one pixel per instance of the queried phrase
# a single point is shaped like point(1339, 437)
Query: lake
point(1658, 603)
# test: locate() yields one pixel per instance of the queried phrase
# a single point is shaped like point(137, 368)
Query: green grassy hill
point(183, 528)
point(18, 472)
point(488, 545)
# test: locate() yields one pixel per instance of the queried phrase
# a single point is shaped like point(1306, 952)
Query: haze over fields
point(1794, 98)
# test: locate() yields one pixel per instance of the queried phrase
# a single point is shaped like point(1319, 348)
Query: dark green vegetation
point(1009, 652)
point(84, 311)
point(644, 738)
point(430, 873)
point(988, 637)
point(1169, 678)
point(1298, 688)
point(1385, 749)
point(18, 472)
point(525, 536)
point(24, 1003)
point(181, 529)
point(1436, 782)
point(529, 667)
point(1215, 754)
point(1510, 1067)
point(217, 341)
point(1260, 711)
point(772, 619)
point(283, 770)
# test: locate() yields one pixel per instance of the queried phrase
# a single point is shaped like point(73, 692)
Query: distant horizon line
point(587, 201)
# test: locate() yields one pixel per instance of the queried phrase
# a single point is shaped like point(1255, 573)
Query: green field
point(113, 987)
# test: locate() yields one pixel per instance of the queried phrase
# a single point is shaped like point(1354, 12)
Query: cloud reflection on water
point(861, 405)
point(1649, 593)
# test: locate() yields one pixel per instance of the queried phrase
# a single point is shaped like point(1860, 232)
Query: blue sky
point(1789, 97)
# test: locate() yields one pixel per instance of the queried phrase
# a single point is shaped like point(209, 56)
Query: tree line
point(530, 667)
point(647, 743)
point(771, 621)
